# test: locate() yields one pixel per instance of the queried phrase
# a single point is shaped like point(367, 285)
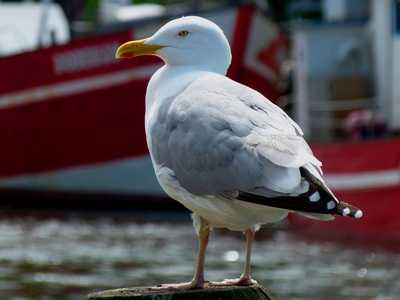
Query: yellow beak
point(136, 48)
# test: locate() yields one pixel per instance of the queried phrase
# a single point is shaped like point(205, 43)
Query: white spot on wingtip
point(358, 214)
point(346, 211)
point(331, 204)
point(314, 197)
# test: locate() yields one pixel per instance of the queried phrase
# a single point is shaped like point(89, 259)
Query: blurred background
point(80, 207)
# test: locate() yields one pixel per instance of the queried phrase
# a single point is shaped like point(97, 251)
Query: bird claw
point(242, 281)
point(178, 286)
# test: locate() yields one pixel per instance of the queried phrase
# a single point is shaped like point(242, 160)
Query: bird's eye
point(183, 33)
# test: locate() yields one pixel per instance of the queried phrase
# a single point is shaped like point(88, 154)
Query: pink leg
point(204, 233)
point(245, 278)
point(198, 278)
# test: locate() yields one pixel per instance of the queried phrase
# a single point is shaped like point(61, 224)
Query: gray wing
point(219, 136)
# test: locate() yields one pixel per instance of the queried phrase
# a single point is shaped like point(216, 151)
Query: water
point(68, 256)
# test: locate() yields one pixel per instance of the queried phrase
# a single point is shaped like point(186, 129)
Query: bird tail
point(318, 202)
point(306, 204)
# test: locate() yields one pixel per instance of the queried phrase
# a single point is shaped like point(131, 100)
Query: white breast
point(167, 82)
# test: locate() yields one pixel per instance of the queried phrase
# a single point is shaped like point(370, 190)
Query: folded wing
point(219, 136)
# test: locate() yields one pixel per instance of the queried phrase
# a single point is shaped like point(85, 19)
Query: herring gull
point(220, 148)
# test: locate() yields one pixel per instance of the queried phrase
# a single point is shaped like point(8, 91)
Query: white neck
point(169, 81)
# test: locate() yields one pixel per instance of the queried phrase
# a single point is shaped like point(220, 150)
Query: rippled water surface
point(68, 256)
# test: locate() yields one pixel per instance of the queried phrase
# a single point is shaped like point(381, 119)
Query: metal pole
point(46, 5)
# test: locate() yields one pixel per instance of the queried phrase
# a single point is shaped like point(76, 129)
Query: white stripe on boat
point(76, 86)
point(363, 180)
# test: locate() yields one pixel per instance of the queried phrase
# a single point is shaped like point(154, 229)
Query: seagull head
point(187, 41)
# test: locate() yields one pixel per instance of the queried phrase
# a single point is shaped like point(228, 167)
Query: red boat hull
point(367, 175)
point(71, 122)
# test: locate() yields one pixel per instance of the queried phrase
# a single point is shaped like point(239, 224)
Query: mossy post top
point(210, 292)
